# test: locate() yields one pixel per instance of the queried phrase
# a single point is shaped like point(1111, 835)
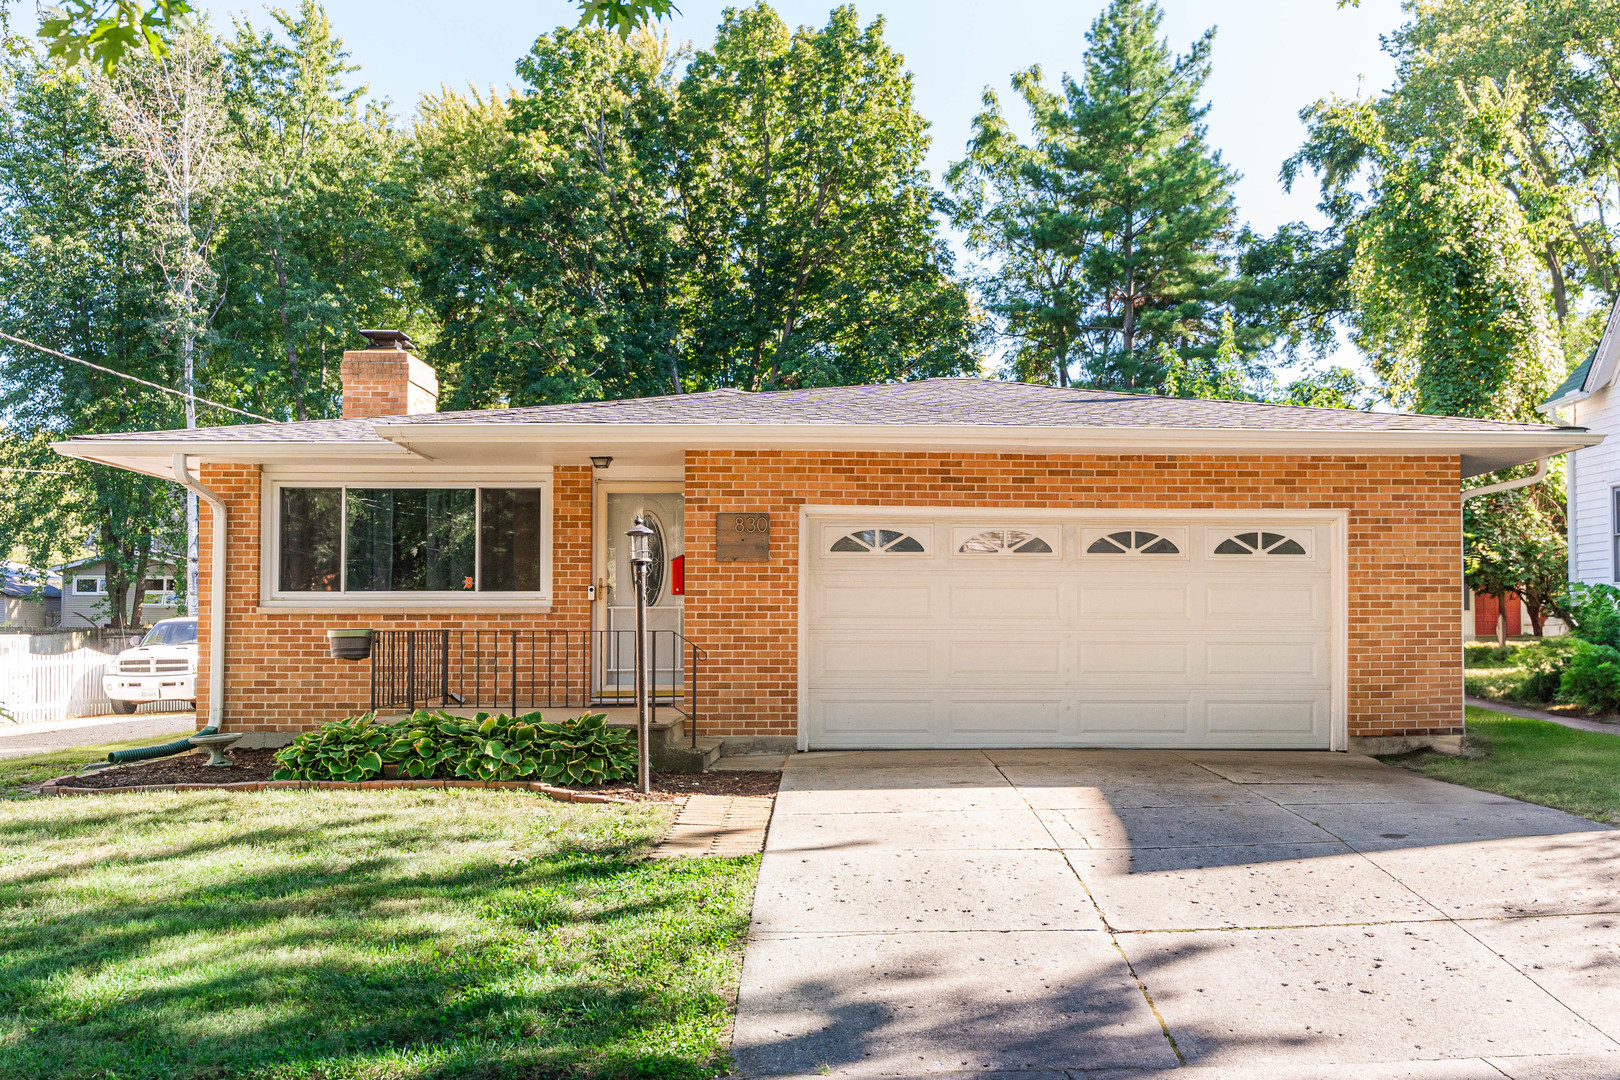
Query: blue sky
point(1272, 58)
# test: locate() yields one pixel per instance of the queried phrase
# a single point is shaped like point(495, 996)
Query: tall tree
point(1116, 244)
point(77, 274)
point(1448, 301)
point(815, 259)
point(550, 238)
point(319, 242)
point(168, 117)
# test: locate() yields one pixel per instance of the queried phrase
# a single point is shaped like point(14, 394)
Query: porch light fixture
point(640, 559)
point(600, 461)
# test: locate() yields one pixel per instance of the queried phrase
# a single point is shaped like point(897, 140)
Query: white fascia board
point(153, 458)
point(962, 437)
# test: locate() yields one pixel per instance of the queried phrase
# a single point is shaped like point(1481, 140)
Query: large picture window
point(367, 540)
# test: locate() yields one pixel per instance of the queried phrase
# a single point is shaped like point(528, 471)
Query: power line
point(132, 378)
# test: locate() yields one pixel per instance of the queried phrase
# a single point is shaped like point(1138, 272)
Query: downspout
point(1509, 485)
point(216, 590)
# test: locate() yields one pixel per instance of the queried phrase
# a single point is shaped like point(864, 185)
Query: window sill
point(353, 605)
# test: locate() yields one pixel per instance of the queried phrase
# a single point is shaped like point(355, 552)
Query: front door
point(662, 509)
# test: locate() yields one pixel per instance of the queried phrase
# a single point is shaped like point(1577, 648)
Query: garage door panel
point(1133, 715)
point(1257, 601)
point(1005, 658)
point(874, 599)
point(1304, 659)
point(1134, 658)
point(877, 715)
point(1001, 717)
point(1015, 602)
point(1261, 717)
point(1137, 601)
point(878, 657)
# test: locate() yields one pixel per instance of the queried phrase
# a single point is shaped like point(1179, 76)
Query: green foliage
point(350, 750)
point(103, 32)
point(623, 16)
point(1544, 664)
point(761, 222)
point(1108, 229)
point(1513, 542)
point(1479, 654)
point(1592, 679)
point(438, 745)
point(1594, 611)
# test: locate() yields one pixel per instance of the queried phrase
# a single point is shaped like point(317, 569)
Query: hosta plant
point(438, 745)
point(351, 749)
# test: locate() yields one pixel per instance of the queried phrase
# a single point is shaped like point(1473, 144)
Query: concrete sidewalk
point(25, 740)
point(1203, 914)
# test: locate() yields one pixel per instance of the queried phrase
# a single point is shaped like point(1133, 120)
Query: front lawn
point(368, 934)
point(1533, 760)
point(23, 772)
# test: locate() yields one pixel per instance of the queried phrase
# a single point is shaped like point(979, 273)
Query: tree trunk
point(1501, 621)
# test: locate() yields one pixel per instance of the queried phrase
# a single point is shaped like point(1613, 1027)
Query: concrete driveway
point(1204, 914)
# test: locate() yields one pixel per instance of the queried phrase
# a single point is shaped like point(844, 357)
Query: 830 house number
point(742, 537)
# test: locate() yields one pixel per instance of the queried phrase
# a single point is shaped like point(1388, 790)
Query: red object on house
point(677, 576)
point(1485, 615)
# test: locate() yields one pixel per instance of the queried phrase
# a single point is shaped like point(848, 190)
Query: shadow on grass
point(384, 949)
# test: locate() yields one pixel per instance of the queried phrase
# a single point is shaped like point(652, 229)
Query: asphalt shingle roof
point(975, 403)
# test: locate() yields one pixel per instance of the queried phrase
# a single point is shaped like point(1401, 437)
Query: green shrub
point(1482, 654)
point(1543, 663)
point(351, 749)
point(1592, 679)
point(1595, 611)
point(437, 745)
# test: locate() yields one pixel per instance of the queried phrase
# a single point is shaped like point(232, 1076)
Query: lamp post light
point(640, 560)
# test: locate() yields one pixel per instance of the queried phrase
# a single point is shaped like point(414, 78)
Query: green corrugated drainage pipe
point(147, 753)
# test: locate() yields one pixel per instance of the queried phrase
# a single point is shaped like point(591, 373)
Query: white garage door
point(1158, 631)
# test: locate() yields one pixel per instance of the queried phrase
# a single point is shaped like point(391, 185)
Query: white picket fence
point(48, 677)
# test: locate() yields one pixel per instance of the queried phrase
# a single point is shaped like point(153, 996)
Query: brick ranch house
point(946, 563)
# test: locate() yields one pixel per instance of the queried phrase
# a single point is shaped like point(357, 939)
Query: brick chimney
point(384, 379)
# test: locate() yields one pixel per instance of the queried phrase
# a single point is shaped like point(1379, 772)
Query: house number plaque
point(742, 537)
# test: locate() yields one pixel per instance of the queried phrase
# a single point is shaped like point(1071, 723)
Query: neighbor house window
point(410, 540)
point(89, 586)
point(1615, 539)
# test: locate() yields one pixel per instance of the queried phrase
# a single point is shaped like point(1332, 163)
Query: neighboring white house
point(1590, 399)
point(84, 592)
point(29, 599)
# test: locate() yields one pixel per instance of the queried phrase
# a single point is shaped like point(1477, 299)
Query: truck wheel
point(124, 708)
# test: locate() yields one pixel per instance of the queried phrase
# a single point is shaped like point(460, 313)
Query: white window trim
point(832, 533)
point(1614, 531)
point(961, 534)
point(1217, 537)
point(98, 581)
point(1177, 536)
point(273, 599)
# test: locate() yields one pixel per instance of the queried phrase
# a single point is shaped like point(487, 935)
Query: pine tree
point(1120, 192)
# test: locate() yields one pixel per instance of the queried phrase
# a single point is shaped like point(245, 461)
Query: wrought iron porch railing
point(524, 670)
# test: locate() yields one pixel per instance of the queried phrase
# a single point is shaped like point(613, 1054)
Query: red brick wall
point(278, 676)
point(1405, 556)
point(386, 382)
point(1405, 573)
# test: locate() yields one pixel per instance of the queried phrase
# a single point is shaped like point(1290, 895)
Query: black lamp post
point(640, 560)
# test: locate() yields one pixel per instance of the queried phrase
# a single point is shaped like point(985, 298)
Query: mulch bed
point(252, 765)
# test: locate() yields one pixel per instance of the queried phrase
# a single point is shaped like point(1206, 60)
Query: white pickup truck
point(163, 667)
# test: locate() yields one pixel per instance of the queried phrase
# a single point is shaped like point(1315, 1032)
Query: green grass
point(21, 772)
point(346, 934)
point(1533, 760)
